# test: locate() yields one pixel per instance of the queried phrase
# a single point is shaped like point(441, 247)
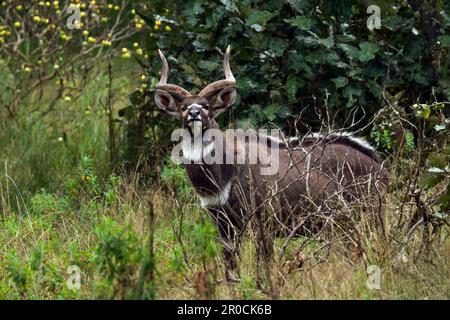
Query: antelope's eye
point(206, 106)
point(183, 108)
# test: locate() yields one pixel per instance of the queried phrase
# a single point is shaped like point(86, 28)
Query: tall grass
point(107, 237)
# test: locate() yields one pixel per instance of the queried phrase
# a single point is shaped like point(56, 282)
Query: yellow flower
point(168, 28)
point(27, 69)
point(86, 32)
point(138, 26)
point(143, 77)
point(19, 7)
point(92, 40)
point(139, 52)
point(37, 19)
point(67, 99)
point(156, 27)
point(157, 22)
point(106, 43)
point(17, 24)
point(136, 45)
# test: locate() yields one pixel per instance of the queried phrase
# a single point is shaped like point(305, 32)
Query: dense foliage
point(314, 58)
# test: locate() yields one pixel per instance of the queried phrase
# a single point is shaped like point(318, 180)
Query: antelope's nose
point(194, 113)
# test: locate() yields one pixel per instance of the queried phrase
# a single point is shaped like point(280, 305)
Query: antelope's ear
point(224, 100)
point(166, 102)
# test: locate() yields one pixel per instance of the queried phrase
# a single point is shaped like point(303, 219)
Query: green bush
point(44, 203)
point(175, 177)
point(119, 253)
point(314, 58)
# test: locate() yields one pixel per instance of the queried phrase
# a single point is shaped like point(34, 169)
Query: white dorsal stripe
point(348, 135)
point(216, 200)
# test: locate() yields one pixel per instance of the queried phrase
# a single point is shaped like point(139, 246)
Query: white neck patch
point(197, 151)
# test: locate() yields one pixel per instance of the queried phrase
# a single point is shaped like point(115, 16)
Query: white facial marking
point(216, 200)
point(194, 105)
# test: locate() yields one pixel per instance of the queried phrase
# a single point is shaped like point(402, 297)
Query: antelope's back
point(321, 171)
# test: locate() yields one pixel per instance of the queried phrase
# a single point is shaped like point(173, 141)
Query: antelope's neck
point(211, 180)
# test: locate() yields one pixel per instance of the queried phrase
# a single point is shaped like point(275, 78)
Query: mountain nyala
point(281, 184)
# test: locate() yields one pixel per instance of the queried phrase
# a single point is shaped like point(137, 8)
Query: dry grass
point(337, 272)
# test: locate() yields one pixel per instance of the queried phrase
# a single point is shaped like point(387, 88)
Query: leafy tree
point(314, 58)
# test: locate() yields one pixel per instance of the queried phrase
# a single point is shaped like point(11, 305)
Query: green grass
point(61, 206)
point(108, 240)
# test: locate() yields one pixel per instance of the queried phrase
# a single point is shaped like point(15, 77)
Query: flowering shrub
point(44, 41)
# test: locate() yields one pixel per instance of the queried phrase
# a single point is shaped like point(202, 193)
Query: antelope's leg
point(228, 231)
point(264, 247)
